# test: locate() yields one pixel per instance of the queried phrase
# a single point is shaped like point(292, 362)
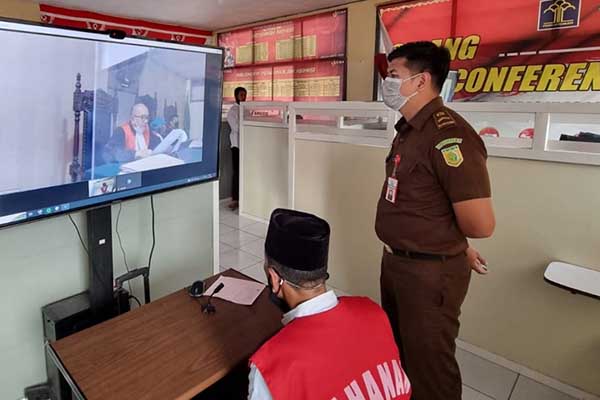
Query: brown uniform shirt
point(442, 161)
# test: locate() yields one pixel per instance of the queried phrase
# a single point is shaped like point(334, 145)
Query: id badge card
point(392, 182)
point(392, 190)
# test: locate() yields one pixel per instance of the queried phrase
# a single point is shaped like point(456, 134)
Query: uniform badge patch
point(453, 156)
point(446, 142)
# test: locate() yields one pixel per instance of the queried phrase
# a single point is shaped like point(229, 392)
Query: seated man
point(329, 348)
point(132, 140)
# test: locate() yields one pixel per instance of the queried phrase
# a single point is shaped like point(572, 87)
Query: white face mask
point(391, 92)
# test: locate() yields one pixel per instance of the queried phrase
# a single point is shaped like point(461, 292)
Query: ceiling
point(210, 15)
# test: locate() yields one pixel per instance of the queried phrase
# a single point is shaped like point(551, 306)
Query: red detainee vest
point(345, 353)
point(130, 136)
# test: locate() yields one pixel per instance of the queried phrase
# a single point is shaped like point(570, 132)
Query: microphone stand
point(209, 308)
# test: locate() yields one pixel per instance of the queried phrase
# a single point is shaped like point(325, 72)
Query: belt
point(415, 255)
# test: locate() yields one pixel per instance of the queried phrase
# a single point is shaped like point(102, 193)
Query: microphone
point(209, 308)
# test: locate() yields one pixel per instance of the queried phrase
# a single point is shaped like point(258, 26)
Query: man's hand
point(143, 153)
point(476, 261)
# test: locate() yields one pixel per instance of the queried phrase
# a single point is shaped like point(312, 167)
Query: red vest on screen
point(345, 353)
point(130, 136)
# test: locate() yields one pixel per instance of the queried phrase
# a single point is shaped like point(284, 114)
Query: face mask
point(391, 92)
point(280, 303)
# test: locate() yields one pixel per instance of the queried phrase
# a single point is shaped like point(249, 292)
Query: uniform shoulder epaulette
point(443, 119)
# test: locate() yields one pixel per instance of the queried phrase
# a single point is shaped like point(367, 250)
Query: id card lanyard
point(392, 182)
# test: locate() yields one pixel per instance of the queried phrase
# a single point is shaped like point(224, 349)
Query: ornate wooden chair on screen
point(99, 112)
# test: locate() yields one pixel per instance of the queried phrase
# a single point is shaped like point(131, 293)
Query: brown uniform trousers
point(422, 299)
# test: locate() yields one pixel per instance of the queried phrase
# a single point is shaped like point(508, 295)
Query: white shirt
point(233, 119)
point(140, 141)
point(258, 389)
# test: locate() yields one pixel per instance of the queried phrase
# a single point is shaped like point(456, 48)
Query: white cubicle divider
point(337, 153)
point(352, 123)
point(529, 131)
point(267, 157)
point(263, 158)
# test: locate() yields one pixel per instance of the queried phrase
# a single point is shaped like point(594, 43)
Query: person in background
point(436, 195)
point(132, 140)
point(329, 348)
point(158, 127)
point(233, 119)
point(171, 142)
point(172, 118)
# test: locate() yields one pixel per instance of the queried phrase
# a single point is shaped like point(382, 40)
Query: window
point(503, 129)
point(298, 60)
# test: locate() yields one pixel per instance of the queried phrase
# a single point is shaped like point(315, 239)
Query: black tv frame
point(115, 36)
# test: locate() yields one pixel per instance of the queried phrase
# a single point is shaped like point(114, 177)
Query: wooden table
point(167, 349)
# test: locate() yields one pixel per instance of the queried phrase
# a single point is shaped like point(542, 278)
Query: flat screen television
point(88, 119)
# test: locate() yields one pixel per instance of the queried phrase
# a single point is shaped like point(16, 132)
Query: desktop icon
point(49, 210)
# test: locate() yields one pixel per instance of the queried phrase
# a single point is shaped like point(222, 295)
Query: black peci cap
point(298, 240)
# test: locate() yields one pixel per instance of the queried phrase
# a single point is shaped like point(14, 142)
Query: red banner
point(514, 50)
point(100, 22)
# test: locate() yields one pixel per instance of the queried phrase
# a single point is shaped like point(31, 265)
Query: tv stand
point(100, 252)
point(105, 298)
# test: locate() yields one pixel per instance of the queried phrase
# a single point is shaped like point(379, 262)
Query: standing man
point(436, 195)
point(329, 348)
point(233, 119)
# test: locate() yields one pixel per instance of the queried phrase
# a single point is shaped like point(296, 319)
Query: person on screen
point(170, 139)
point(158, 128)
point(329, 347)
point(132, 140)
point(172, 118)
point(233, 119)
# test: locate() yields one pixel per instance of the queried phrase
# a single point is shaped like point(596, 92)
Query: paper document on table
point(152, 162)
point(172, 142)
point(239, 291)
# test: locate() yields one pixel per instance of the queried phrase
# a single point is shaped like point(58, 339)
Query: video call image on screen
point(128, 109)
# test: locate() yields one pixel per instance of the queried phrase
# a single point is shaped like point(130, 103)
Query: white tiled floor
point(527, 389)
point(238, 260)
point(257, 272)
point(486, 377)
point(472, 394)
point(257, 229)
point(242, 248)
point(238, 238)
point(256, 248)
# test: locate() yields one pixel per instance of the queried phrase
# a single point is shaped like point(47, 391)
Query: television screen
point(86, 119)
